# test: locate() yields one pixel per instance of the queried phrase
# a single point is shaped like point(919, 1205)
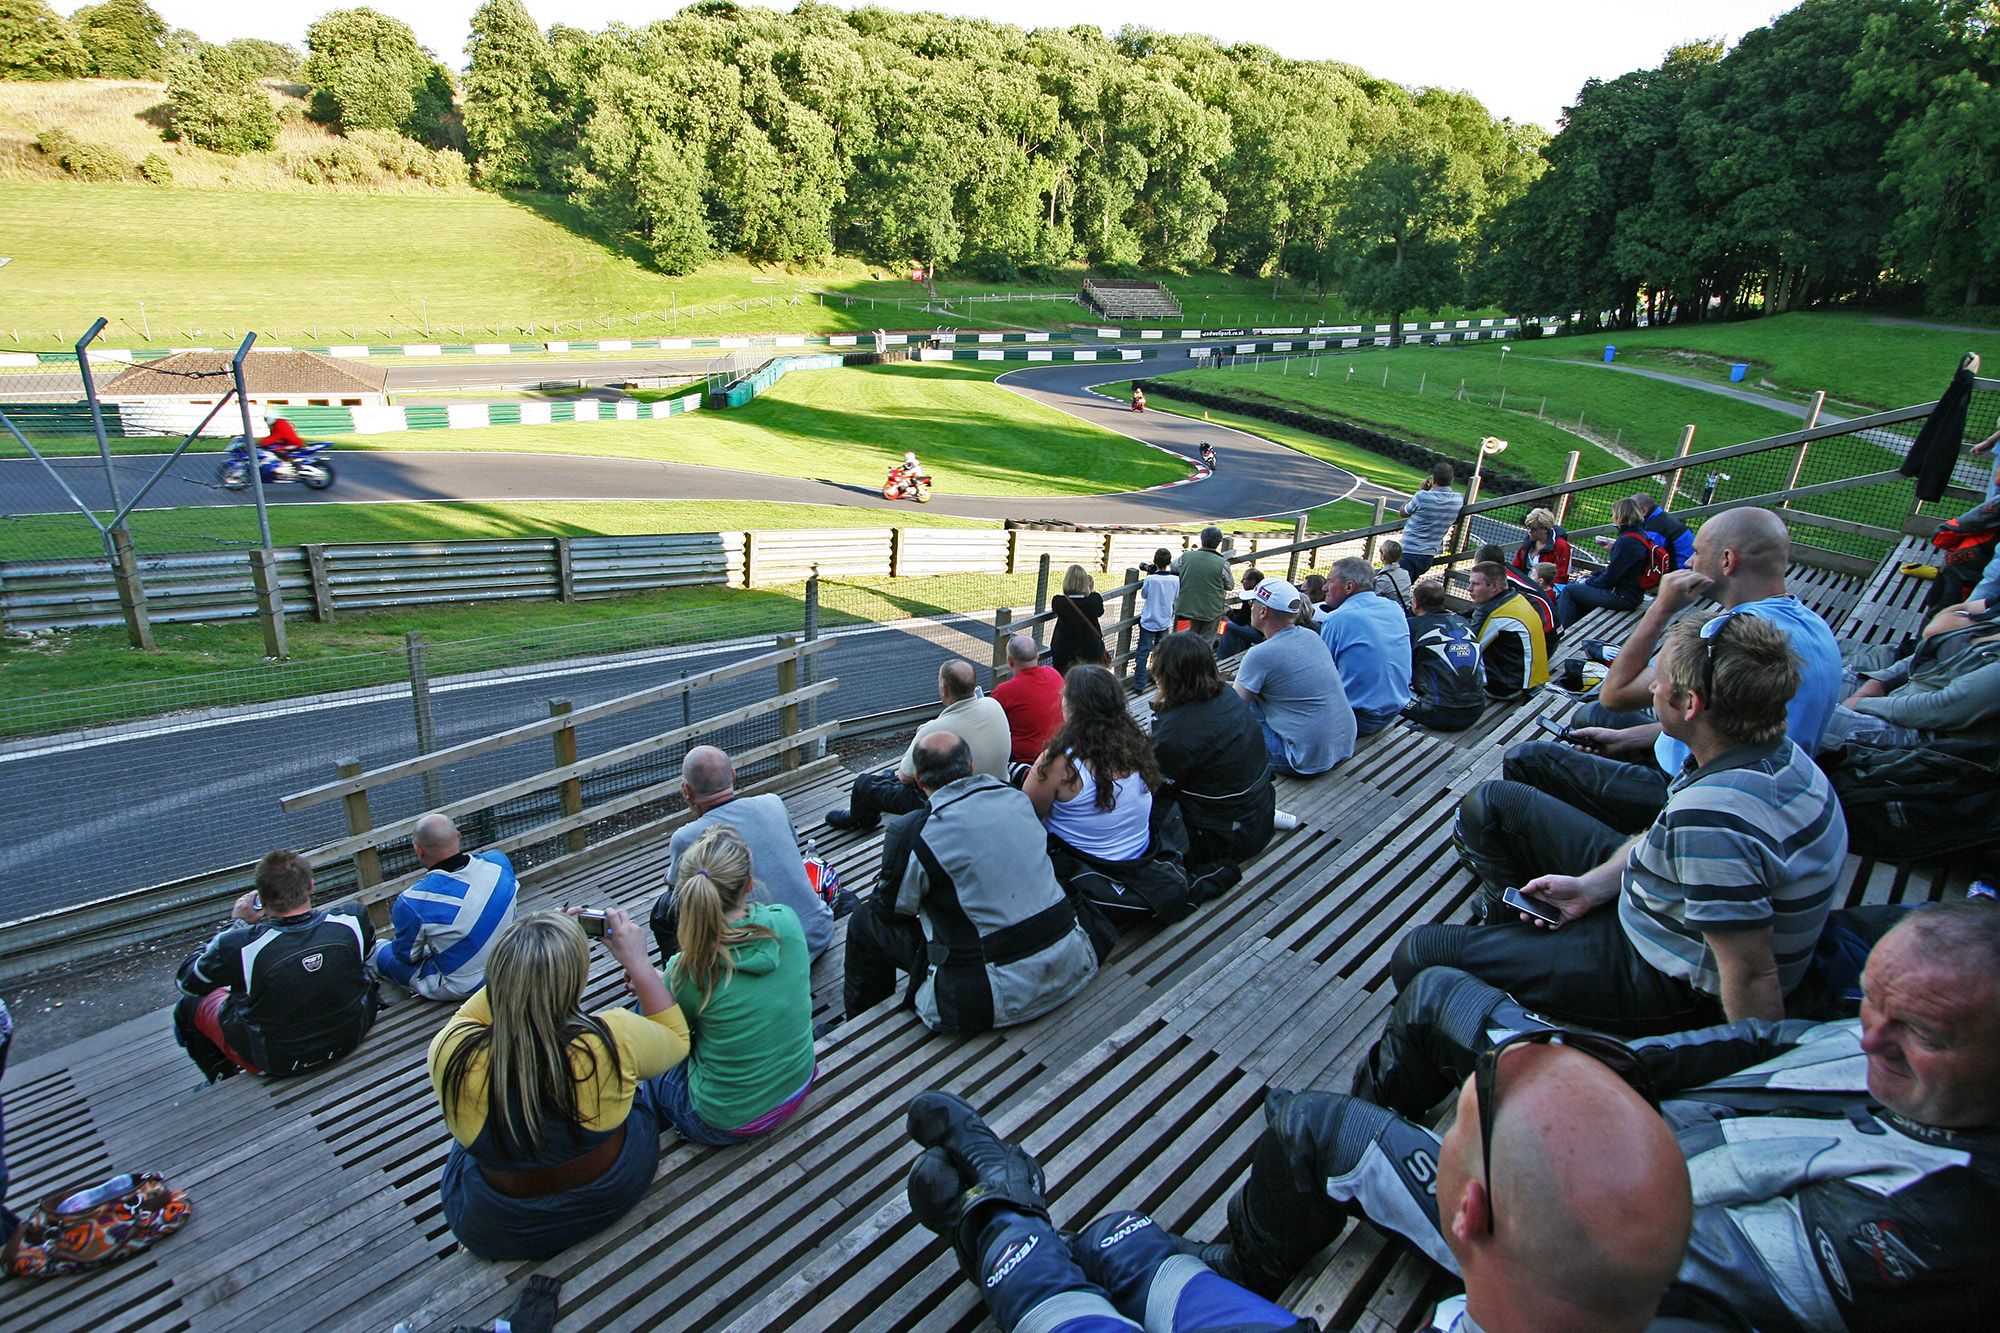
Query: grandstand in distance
point(1129, 300)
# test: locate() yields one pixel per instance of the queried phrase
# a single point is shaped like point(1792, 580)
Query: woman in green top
point(744, 977)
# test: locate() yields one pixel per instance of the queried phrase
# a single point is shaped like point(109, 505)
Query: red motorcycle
point(901, 485)
point(1138, 400)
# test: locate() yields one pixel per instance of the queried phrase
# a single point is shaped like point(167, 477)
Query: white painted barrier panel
point(1190, 333)
point(378, 420)
point(627, 409)
point(1281, 347)
point(491, 349)
point(985, 355)
point(536, 414)
point(790, 340)
point(614, 344)
point(30, 359)
point(1486, 323)
point(1041, 356)
point(1152, 333)
point(1350, 342)
point(676, 344)
point(1381, 342)
point(1315, 344)
point(897, 340)
point(467, 416)
point(733, 342)
point(1107, 333)
point(1127, 354)
point(1200, 352)
point(422, 349)
point(933, 354)
point(586, 409)
point(1245, 349)
point(842, 340)
point(1082, 354)
point(988, 337)
point(1038, 337)
point(557, 346)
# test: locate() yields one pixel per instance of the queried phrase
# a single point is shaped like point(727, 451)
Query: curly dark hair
point(1098, 733)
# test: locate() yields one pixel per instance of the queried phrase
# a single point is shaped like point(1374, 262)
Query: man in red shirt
point(1032, 698)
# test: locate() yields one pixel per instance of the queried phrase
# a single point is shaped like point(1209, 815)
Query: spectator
point(708, 785)
point(1204, 594)
point(1431, 512)
point(1671, 532)
point(1547, 579)
point(1369, 638)
point(1238, 636)
point(1512, 651)
point(1314, 587)
point(1718, 905)
point(1157, 594)
point(1031, 696)
point(1845, 1173)
point(984, 1196)
point(285, 987)
point(743, 967)
point(1616, 586)
point(1211, 752)
point(1558, 1194)
point(1391, 580)
point(1448, 685)
point(1740, 559)
point(1290, 684)
point(554, 1113)
point(1950, 685)
point(1546, 543)
point(1079, 609)
point(968, 905)
point(447, 921)
point(1093, 789)
point(1539, 596)
point(967, 713)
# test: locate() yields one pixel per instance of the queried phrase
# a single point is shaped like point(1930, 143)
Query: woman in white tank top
point(1094, 784)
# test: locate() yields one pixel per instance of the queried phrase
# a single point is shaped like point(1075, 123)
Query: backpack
point(1669, 530)
point(1659, 560)
point(1905, 802)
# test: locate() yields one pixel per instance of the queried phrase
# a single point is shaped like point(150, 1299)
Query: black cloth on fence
point(1935, 450)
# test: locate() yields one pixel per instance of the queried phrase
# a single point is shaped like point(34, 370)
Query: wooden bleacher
point(1124, 300)
point(316, 1198)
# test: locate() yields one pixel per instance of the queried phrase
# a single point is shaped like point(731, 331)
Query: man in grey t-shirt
point(778, 872)
point(1290, 682)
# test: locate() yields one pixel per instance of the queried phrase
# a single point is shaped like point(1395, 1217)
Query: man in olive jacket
point(1205, 585)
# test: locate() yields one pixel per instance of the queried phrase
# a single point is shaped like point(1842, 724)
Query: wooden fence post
point(565, 572)
point(895, 553)
point(1799, 453)
point(750, 560)
point(1298, 537)
point(131, 589)
point(1381, 510)
point(788, 714)
point(1674, 479)
point(1569, 475)
point(570, 791)
point(1127, 608)
point(1003, 629)
point(1104, 557)
point(367, 861)
point(322, 586)
point(420, 707)
point(1041, 598)
point(1461, 531)
point(1013, 550)
point(270, 602)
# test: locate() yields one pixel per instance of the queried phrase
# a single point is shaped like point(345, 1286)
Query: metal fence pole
point(250, 441)
point(811, 664)
point(420, 708)
point(1041, 597)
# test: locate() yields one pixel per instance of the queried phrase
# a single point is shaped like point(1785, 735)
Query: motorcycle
point(1208, 456)
point(1138, 400)
point(308, 465)
point(900, 485)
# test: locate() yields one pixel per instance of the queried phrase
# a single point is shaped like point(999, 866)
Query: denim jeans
point(1574, 599)
point(676, 1104)
point(1147, 638)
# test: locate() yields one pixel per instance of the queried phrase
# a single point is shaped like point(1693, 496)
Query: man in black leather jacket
point(1846, 1175)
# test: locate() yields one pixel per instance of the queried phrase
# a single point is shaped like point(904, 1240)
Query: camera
point(1145, 568)
point(592, 921)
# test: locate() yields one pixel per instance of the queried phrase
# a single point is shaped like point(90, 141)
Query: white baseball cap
point(1280, 596)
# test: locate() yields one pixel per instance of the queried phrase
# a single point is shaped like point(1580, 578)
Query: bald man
point(1579, 1223)
point(1617, 762)
point(967, 713)
point(446, 922)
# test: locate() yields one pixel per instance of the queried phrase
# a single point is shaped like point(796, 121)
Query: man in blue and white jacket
point(447, 921)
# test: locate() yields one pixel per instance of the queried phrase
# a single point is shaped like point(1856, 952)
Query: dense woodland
point(1845, 152)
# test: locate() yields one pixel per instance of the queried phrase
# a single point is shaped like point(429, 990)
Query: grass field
point(1857, 360)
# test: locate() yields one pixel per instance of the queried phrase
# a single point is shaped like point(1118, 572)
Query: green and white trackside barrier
point(356, 351)
point(135, 419)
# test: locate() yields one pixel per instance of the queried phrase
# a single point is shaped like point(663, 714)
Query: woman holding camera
point(553, 1112)
point(746, 973)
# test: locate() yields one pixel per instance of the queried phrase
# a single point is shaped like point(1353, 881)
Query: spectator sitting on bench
point(285, 987)
point(554, 1113)
point(1211, 752)
point(447, 921)
point(1539, 595)
point(1616, 586)
point(1391, 579)
point(1948, 686)
point(708, 785)
point(984, 1196)
point(1290, 684)
point(1710, 914)
point(1845, 1173)
point(743, 970)
point(1558, 1193)
point(1093, 789)
point(967, 713)
point(1447, 683)
point(968, 906)
point(1031, 696)
point(1238, 636)
point(1369, 638)
point(1512, 650)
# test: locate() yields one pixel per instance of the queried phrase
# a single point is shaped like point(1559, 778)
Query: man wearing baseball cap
point(1289, 681)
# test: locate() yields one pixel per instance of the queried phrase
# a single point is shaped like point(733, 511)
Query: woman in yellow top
point(554, 1113)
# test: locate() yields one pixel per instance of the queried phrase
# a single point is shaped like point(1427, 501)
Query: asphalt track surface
point(1254, 477)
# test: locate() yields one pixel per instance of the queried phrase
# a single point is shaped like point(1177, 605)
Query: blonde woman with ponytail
point(554, 1113)
point(745, 975)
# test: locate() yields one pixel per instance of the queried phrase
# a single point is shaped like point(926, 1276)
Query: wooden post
point(1799, 452)
point(1298, 537)
point(788, 715)
point(1461, 530)
point(750, 560)
point(565, 572)
point(1127, 608)
point(131, 589)
point(895, 553)
point(367, 861)
point(1013, 550)
point(270, 603)
point(322, 586)
point(570, 790)
point(420, 707)
point(1569, 475)
point(1003, 629)
point(1041, 597)
point(1674, 479)
point(1381, 509)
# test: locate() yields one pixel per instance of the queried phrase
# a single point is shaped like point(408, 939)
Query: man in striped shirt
point(1718, 905)
point(446, 922)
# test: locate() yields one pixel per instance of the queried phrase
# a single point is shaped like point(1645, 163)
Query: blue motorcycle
point(308, 465)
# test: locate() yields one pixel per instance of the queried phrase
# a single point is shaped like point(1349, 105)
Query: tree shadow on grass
point(575, 221)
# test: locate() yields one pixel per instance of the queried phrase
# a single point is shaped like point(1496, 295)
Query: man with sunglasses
point(1713, 912)
point(1846, 1175)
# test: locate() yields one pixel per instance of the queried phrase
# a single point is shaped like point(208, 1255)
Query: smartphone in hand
point(1534, 907)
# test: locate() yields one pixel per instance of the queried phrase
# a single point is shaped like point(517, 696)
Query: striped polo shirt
point(1754, 839)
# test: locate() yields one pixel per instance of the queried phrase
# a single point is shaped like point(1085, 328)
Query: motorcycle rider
point(1138, 399)
point(906, 473)
point(1208, 455)
point(283, 440)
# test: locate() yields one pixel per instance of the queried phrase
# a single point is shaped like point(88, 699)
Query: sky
point(1524, 60)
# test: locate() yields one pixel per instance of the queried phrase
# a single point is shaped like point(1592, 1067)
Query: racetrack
point(1254, 477)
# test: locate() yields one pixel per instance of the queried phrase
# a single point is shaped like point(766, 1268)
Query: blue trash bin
point(1737, 371)
point(1610, 352)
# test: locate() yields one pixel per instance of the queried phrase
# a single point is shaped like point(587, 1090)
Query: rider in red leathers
point(283, 440)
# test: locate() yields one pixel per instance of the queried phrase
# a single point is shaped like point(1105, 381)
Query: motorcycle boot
point(1442, 1020)
point(1143, 1267)
point(995, 1178)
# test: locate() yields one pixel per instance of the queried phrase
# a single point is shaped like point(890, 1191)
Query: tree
point(1399, 228)
point(125, 38)
point(214, 101)
point(667, 198)
point(367, 72)
point(507, 105)
point(269, 60)
point(36, 43)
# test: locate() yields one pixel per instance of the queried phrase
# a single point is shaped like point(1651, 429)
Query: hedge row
point(1493, 481)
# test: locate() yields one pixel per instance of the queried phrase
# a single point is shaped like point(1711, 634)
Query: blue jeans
point(1573, 600)
point(677, 1110)
point(1147, 638)
point(1415, 565)
point(1368, 721)
point(1274, 745)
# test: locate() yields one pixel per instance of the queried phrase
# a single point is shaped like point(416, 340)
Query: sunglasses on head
point(1612, 1054)
point(1711, 634)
